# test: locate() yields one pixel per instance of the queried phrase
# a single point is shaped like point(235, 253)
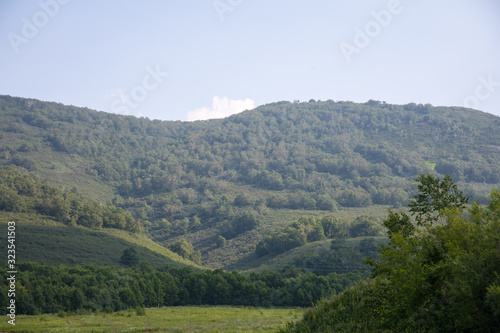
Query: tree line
point(48, 289)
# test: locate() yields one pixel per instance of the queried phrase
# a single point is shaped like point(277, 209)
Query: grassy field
point(167, 319)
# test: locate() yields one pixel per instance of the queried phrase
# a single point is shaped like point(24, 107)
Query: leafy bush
point(185, 250)
point(140, 311)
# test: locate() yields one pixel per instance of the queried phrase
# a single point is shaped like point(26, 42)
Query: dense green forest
point(440, 275)
point(84, 289)
point(223, 184)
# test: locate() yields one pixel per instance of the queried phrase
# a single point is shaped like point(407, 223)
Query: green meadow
point(166, 319)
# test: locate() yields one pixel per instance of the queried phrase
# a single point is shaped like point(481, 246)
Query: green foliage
point(399, 223)
point(185, 250)
point(365, 226)
point(438, 278)
point(129, 257)
point(345, 312)
point(242, 200)
point(334, 226)
point(140, 311)
point(244, 222)
point(430, 164)
point(221, 241)
point(343, 256)
point(22, 193)
point(43, 289)
point(311, 229)
point(434, 196)
point(281, 241)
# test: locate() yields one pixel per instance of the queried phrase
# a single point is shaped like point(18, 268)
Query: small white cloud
point(117, 93)
point(221, 108)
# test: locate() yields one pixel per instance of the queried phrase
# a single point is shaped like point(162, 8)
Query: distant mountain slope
point(206, 179)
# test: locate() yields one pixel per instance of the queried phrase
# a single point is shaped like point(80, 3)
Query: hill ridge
point(197, 180)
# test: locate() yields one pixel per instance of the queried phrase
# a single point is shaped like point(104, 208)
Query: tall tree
point(129, 257)
point(434, 196)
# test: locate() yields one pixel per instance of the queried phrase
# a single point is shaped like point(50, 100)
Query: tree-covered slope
point(438, 276)
point(46, 226)
point(201, 180)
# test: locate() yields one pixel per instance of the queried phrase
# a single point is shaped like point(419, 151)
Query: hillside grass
point(66, 171)
point(166, 319)
point(70, 172)
point(39, 239)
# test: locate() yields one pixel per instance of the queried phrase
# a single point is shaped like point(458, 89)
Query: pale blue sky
point(210, 58)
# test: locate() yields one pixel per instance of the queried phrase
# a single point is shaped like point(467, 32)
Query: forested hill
point(205, 179)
